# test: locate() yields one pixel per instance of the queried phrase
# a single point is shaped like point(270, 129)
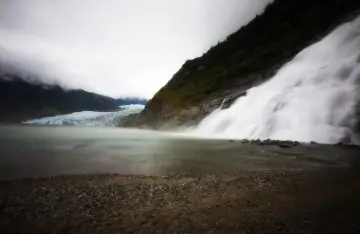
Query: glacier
point(89, 118)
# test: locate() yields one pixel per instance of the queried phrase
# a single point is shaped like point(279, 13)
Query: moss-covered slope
point(246, 58)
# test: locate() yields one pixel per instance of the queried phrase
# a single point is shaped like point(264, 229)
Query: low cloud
point(116, 48)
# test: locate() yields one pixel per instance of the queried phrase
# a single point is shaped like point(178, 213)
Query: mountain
point(130, 101)
point(245, 59)
point(22, 101)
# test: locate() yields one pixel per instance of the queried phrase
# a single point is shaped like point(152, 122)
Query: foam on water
point(311, 98)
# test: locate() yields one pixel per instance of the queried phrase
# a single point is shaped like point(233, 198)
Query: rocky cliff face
point(245, 59)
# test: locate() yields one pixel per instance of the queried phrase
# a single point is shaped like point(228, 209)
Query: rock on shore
point(246, 202)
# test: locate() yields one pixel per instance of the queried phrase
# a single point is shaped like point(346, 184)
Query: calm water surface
point(38, 151)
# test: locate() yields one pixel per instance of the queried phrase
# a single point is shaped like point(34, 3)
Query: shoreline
point(251, 201)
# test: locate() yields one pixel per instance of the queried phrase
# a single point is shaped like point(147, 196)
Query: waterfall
point(311, 98)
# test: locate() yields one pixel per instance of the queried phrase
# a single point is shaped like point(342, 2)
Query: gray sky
point(115, 47)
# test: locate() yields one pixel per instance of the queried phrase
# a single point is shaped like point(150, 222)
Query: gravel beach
point(102, 180)
point(273, 201)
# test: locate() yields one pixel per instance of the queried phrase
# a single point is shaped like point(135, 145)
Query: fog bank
point(116, 48)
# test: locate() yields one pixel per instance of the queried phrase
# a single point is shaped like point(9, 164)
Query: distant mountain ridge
point(130, 101)
point(21, 101)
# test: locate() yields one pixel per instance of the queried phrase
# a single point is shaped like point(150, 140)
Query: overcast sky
point(119, 47)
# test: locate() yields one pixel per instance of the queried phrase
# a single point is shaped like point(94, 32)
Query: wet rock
point(282, 144)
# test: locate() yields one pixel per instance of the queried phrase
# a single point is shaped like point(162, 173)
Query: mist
point(116, 48)
point(311, 98)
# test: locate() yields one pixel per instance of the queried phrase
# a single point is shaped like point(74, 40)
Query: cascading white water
point(312, 98)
